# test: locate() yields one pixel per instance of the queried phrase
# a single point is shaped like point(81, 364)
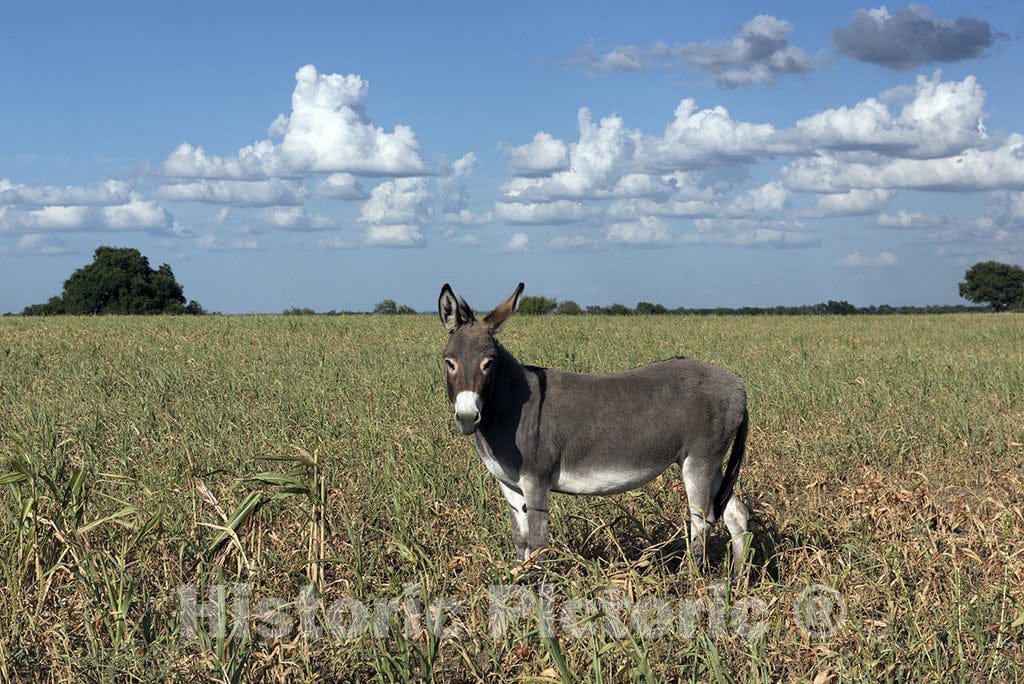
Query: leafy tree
point(389, 307)
point(118, 281)
point(535, 305)
point(1001, 285)
point(568, 308)
point(648, 308)
point(617, 309)
point(299, 311)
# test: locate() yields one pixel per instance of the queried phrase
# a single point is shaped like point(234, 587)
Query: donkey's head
point(470, 354)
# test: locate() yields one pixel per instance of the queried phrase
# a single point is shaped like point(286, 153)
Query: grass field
point(143, 456)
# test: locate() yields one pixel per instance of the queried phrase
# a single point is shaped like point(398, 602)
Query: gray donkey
point(542, 430)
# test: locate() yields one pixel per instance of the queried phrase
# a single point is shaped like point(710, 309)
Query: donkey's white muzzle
point(467, 411)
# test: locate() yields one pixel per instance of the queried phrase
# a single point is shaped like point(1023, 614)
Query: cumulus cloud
point(750, 233)
point(542, 213)
point(597, 161)
point(402, 200)
point(105, 192)
point(327, 131)
point(288, 218)
point(215, 243)
point(910, 220)
point(134, 213)
point(857, 260)
point(332, 242)
point(758, 53)
point(39, 243)
point(938, 118)
point(765, 200)
point(647, 230)
point(393, 235)
point(452, 184)
point(621, 58)
point(342, 186)
point(910, 37)
point(238, 193)
point(698, 137)
point(540, 157)
point(519, 242)
point(973, 169)
point(857, 202)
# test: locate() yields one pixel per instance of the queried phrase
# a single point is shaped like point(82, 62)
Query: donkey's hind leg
point(701, 480)
point(736, 517)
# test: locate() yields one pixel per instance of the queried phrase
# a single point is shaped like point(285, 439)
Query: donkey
point(542, 430)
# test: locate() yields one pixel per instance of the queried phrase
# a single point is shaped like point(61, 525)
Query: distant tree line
point(538, 305)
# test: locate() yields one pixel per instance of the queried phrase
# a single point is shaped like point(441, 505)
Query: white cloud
point(544, 213)
point(647, 230)
point(212, 242)
point(343, 186)
point(856, 202)
point(696, 138)
point(136, 213)
point(938, 119)
point(105, 192)
point(857, 260)
point(601, 157)
point(675, 207)
point(750, 233)
point(542, 156)
point(572, 243)
point(973, 169)
point(332, 242)
point(904, 220)
point(238, 193)
point(621, 58)
point(38, 243)
point(221, 216)
point(759, 53)
point(452, 185)
point(327, 131)
point(462, 239)
point(519, 242)
point(402, 200)
point(394, 235)
point(465, 217)
point(765, 200)
point(291, 218)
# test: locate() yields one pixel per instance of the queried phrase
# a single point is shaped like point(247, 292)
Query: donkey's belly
point(604, 480)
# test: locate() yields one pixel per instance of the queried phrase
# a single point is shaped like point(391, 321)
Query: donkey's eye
point(451, 364)
point(485, 365)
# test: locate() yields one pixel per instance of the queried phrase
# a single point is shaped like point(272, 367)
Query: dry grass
point(140, 455)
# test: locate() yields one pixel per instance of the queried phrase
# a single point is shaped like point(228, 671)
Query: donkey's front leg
point(537, 493)
point(529, 515)
point(518, 516)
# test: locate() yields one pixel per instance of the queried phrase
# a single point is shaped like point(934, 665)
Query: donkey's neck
point(514, 391)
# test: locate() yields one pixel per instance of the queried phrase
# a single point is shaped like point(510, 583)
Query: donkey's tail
point(732, 469)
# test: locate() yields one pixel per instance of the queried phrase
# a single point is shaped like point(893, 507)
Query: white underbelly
point(599, 481)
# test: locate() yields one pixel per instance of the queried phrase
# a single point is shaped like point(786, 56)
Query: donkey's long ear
point(454, 311)
point(497, 318)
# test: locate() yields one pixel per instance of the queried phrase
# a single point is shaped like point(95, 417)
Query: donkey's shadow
point(664, 542)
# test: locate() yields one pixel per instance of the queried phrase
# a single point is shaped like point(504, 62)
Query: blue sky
point(332, 155)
